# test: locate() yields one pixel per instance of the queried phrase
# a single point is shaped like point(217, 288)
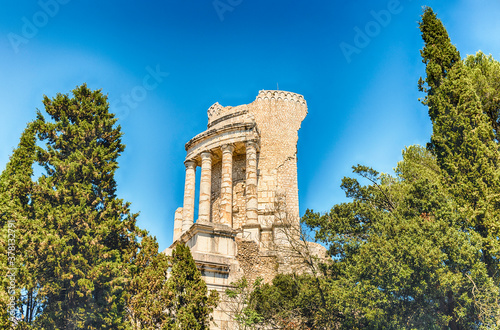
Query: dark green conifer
point(80, 262)
point(77, 238)
point(147, 292)
point(190, 303)
point(20, 233)
point(438, 54)
point(463, 138)
point(402, 258)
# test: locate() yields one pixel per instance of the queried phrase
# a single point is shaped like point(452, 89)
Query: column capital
point(252, 144)
point(190, 163)
point(227, 148)
point(206, 155)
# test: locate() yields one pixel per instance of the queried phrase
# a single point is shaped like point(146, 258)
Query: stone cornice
point(226, 117)
point(208, 228)
point(204, 227)
point(218, 131)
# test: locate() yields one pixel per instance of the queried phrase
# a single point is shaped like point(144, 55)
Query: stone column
point(178, 224)
point(189, 190)
point(227, 185)
point(251, 183)
point(205, 186)
point(251, 228)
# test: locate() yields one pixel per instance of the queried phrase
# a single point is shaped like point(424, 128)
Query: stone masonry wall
point(254, 263)
point(278, 115)
point(216, 186)
point(239, 200)
point(287, 181)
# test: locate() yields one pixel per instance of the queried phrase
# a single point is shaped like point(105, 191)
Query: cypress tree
point(90, 233)
point(76, 238)
point(147, 293)
point(463, 138)
point(438, 54)
point(190, 303)
point(485, 75)
point(20, 235)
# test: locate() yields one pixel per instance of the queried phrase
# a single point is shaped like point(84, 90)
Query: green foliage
point(296, 302)
point(438, 54)
point(190, 305)
point(148, 294)
point(421, 250)
point(464, 112)
point(167, 292)
point(402, 257)
point(241, 307)
point(484, 72)
point(88, 233)
point(16, 222)
point(74, 237)
point(76, 249)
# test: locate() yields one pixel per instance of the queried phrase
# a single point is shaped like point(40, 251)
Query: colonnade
point(226, 193)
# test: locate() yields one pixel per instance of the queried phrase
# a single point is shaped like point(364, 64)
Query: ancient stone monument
point(248, 195)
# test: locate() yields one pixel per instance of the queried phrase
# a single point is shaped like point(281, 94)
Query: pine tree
point(190, 303)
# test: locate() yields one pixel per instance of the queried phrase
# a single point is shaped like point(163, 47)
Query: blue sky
point(361, 91)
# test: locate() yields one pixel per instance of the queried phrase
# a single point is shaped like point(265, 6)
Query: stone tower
point(248, 162)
